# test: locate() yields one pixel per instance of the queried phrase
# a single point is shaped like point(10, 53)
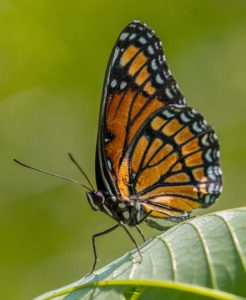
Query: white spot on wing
point(218, 170)
point(184, 118)
point(208, 155)
point(154, 65)
point(132, 36)
point(168, 93)
point(168, 114)
point(123, 36)
point(211, 188)
point(113, 83)
point(205, 141)
point(160, 59)
point(150, 34)
point(122, 85)
point(210, 173)
point(192, 112)
point(159, 79)
point(157, 46)
point(168, 72)
point(142, 40)
point(196, 127)
point(150, 50)
point(116, 53)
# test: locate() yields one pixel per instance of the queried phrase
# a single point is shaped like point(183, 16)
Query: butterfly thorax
point(121, 210)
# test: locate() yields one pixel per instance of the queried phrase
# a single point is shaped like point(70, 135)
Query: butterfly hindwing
point(174, 164)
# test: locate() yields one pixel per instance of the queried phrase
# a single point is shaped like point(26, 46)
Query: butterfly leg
point(138, 229)
point(132, 238)
point(156, 225)
point(94, 245)
point(141, 233)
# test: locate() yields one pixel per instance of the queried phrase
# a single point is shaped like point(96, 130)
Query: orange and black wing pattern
point(174, 166)
point(151, 147)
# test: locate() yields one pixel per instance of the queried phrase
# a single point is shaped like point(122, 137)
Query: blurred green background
point(53, 56)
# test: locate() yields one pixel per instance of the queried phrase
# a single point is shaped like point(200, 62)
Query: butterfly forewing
point(151, 146)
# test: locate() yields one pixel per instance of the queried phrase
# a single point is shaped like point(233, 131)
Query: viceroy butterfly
point(156, 157)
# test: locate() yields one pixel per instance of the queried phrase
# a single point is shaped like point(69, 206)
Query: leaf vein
point(172, 259)
point(206, 253)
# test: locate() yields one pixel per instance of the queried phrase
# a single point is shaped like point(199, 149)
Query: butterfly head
point(95, 199)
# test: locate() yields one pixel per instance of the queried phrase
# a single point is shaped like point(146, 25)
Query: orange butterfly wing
point(133, 90)
point(151, 147)
point(179, 168)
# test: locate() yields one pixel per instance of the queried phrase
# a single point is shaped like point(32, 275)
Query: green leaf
point(203, 258)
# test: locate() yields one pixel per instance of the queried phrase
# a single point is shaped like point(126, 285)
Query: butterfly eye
point(95, 199)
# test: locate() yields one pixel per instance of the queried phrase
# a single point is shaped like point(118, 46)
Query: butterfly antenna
point(81, 170)
point(51, 174)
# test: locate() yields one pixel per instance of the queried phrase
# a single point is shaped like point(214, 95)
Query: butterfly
point(156, 157)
